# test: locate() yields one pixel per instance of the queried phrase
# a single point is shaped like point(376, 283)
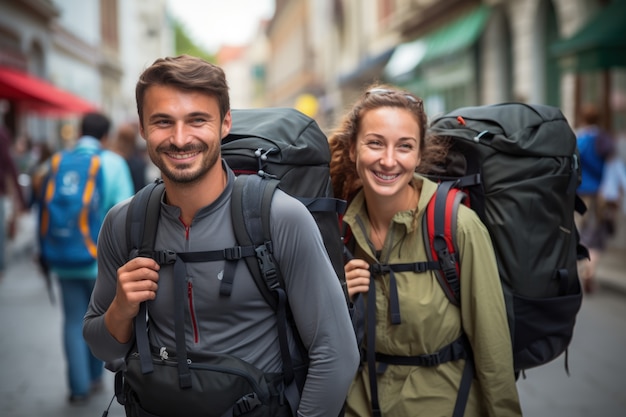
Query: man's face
point(183, 132)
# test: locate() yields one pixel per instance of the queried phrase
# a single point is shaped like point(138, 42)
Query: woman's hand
point(357, 276)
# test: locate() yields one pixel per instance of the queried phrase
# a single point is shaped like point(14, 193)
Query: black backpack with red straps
point(519, 166)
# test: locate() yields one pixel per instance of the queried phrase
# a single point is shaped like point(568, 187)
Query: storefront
point(596, 53)
point(442, 66)
point(32, 94)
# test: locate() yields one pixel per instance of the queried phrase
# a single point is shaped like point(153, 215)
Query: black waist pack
point(214, 386)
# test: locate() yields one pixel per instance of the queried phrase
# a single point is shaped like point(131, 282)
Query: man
point(184, 112)
point(77, 282)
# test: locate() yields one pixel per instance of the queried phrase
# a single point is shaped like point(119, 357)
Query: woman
point(376, 151)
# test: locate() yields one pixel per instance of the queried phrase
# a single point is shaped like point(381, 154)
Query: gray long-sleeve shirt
point(243, 325)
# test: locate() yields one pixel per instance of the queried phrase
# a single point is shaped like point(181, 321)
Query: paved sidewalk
point(611, 272)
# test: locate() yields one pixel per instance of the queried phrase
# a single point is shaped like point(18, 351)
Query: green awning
point(447, 40)
point(600, 44)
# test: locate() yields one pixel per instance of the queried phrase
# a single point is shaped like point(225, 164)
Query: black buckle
point(165, 257)
point(246, 404)
point(266, 264)
point(432, 360)
point(232, 254)
point(380, 269)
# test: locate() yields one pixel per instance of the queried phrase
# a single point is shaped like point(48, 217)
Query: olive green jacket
point(430, 321)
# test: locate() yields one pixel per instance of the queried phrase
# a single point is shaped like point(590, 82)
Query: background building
point(62, 57)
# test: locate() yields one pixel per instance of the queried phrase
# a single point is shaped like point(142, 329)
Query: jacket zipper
point(192, 312)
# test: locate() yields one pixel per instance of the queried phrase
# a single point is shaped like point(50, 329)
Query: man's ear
point(226, 124)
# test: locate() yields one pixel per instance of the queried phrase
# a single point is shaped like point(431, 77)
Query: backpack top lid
point(297, 136)
point(514, 128)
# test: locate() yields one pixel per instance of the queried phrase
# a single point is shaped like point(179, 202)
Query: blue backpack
point(71, 213)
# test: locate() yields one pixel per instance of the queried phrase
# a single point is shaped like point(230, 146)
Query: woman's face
point(386, 152)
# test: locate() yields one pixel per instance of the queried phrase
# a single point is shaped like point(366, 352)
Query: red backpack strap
point(440, 236)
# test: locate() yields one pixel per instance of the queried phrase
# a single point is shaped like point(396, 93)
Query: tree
point(183, 44)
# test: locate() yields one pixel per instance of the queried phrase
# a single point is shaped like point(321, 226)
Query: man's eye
point(198, 121)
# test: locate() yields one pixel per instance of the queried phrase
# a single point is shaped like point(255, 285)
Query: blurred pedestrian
point(84, 370)
point(416, 366)
point(12, 202)
point(612, 192)
point(596, 147)
point(125, 144)
point(38, 171)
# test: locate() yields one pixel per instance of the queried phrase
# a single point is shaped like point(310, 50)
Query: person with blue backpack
point(422, 355)
point(79, 187)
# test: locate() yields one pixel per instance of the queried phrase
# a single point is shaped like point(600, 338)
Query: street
point(33, 382)
point(597, 367)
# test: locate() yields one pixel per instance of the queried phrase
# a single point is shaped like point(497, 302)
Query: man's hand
point(137, 281)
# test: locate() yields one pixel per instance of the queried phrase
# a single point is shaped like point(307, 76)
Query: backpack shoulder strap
point(439, 229)
point(250, 210)
point(142, 220)
point(440, 226)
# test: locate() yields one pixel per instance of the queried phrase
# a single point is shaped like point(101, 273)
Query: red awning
point(39, 95)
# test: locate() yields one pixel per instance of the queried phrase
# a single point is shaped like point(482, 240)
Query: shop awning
point(38, 95)
point(600, 44)
point(447, 40)
point(368, 69)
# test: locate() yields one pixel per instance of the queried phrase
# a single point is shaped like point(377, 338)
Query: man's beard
point(181, 174)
